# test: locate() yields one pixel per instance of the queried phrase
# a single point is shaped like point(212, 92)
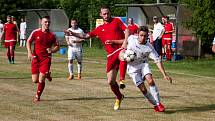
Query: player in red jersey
point(40, 57)
point(111, 35)
point(9, 36)
point(167, 38)
point(132, 27)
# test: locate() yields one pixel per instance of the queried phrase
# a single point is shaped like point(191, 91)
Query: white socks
point(79, 67)
point(150, 98)
point(70, 67)
point(155, 93)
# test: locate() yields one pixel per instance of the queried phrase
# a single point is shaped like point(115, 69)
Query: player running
point(40, 57)
point(9, 36)
point(139, 69)
point(111, 34)
point(75, 49)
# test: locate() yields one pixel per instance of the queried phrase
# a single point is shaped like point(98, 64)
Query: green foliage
point(202, 21)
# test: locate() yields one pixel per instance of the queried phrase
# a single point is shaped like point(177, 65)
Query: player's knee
point(151, 82)
point(35, 80)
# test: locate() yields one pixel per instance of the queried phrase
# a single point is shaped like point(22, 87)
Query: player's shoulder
point(37, 30)
point(132, 38)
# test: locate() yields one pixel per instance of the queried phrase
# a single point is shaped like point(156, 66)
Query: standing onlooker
point(74, 49)
point(167, 38)
point(9, 36)
point(23, 27)
point(132, 27)
point(43, 40)
point(157, 35)
point(1, 30)
point(112, 35)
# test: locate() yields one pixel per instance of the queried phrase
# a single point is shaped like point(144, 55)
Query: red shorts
point(8, 44)
point(40, 65)
point(113, 60)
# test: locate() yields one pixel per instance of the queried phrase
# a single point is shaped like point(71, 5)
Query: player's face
point(45, 23)
point(74, 24)
point(9, 19)
point(130, 21)
point(105, 14)
point(142, 37)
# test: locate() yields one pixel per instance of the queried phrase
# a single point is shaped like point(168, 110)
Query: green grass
point(189, 98)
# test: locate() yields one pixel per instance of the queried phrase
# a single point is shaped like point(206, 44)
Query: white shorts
point(138, 72)
point(74, 53)
point(22, 36)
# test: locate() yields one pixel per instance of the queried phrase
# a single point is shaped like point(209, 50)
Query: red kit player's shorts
point(9, 43)
point(113, 60)
point(40, 65)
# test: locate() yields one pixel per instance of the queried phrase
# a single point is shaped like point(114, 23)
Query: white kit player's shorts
point(22, 36)
point(138, 72)
point(74, 53)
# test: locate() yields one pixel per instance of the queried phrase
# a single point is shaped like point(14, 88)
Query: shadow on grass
point(192, 109)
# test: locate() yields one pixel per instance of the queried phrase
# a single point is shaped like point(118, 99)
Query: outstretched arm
point(79, 35)
point(162, 70)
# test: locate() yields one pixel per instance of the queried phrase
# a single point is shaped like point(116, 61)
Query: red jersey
point(168, 27)
point(10, 30)
point(42, 41)
point(133, 28)
point(114, 30)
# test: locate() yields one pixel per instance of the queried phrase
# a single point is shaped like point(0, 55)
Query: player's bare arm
point(115, 41)
point(125, 43)
point(54, 49)
point(79, 35)
point(29, 50)
point(162, 70)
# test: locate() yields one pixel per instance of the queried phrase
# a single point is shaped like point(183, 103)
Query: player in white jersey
point(1, 30)
point(74, 49)
point(23, 27)
point(139, 69)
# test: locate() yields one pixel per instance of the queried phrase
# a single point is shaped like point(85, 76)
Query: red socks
point(40, 88)
point(122, 69)
point(115, 89)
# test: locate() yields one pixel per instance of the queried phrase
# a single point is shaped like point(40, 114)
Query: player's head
point(164, 19)
point(155, 19)
point(45, 22)
point(105, 13)
point(143, 34)
point(74, 23)
point(9, 18)
point(130, 20)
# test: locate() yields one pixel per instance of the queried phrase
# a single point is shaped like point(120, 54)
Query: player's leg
point(70, 63)
point(122, 71)
point(154, 91)
point(79, 63)
point(168, 50)
point(111, 78)
point(12, 49)
point(20, 42)
point(24, 42)
point(8, 55)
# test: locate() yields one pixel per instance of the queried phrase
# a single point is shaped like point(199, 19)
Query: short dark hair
point(9, 16)
point(47, 17)
point(143, 28)
point(73, 19)
point(105, 7)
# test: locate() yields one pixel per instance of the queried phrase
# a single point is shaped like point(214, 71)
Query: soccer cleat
point(79, 76)
point(48, 76)
point(159, 108)
point(118, 103)
point(36, 99)
point(122, 84)
point(70, 77)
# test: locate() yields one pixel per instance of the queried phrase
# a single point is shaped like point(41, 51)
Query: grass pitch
point(191, 97)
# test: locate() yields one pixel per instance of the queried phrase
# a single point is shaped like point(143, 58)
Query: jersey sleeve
point(94, 32)
point(153, 54)
point(31, 37)
point(121, 24)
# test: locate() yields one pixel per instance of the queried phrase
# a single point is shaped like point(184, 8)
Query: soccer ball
point(129, 55)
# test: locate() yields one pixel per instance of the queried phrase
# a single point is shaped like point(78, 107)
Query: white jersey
point(157, 30)
point(143, 51)
point(1, 28)
point(23, 27)
point(77, 46)
point(138, 68)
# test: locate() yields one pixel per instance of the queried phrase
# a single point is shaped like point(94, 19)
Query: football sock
point(21, 41)
point(155, 93)
point(115, 89)
point(8, 55)
point(24, 42)
point(70, 67)
point(40, 88)
point(150, 98)
point(122, 69)
point(79, 67)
